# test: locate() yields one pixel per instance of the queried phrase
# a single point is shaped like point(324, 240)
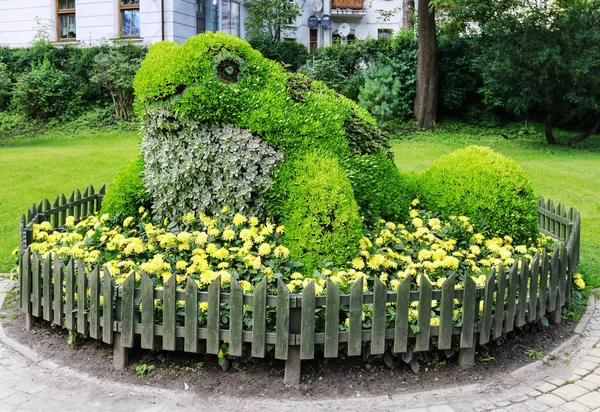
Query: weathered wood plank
point(55, 220)
point(26, 281)
point(191, 316)
point(467, 335)
point(47, 287)
point(355, 318)
point(543, 287)
point(522, 302)
point(511, 304)
point(378, 324)
point(499, 310)
point(94, 313)
point(70, 296)
point(424, 319)
point(553, 282)
point(127, 311)
point(147, 319)
point(259, 319)
point(82, 324)
point(213, 317)
point(562, 275)
point(401, 323)
point(236, 310)
point(169, 313)
point(488, 307)
point(77, 211)
point(446, 313)
point(107, 308)
point(533, 286)
point(307, 331)
point(63, 214)
point(282, 322)
point(36, 289)
point(57, 276)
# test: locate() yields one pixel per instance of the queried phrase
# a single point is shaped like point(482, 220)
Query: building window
point(207, 16)
point(384, 34)
point(130, 18)
point(313, 41)
point(65, 16)
point(230, 17)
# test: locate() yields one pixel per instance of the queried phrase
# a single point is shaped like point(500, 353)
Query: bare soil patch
point(321, 379)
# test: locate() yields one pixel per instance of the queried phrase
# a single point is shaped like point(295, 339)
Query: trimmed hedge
point(320, 216)
point(488, 187)
point(127, 194)
point(390, 198)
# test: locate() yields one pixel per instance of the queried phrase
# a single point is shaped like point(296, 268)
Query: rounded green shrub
point(321, 217)
point(390, 198)
point(127, 193)
point(489, 188)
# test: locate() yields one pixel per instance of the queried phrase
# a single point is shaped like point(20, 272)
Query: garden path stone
point(28, 383)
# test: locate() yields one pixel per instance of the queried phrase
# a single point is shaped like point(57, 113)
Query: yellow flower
point(376, 261)
point(127, 221)
point(358, 263)
point(182, 264)
point(280, 229)
point(435, 322)
point(203, 306)
point(417, 222)
point(221, 254)
point(415, 202)
point(228, 234)
point(239, 219)
point(281, 251)
point(414, 213)
point(264, 249)
point(245, 285)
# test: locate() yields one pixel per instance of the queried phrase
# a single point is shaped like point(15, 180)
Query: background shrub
point(5, 87)
point(379, 94)
point(486, 186)
point(321, 217)
point(291, 53)
point(127, 193)
point(46, 92)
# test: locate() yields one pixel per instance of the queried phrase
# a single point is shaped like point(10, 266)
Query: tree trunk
point(585, 135)
point(408, 7)
point(427, 68)
point(548, 129)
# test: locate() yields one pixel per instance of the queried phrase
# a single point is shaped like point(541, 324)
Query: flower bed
point(240, 286)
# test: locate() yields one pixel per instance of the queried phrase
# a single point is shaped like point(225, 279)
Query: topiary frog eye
point(229, 68)
point(228, 71)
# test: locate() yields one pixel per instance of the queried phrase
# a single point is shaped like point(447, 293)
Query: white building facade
point(149, 21)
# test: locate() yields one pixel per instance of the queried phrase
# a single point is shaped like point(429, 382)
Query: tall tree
point(544, 59)
point(271, 18)
point(427, 67)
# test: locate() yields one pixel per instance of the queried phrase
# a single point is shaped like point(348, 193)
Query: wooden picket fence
point(124, 314)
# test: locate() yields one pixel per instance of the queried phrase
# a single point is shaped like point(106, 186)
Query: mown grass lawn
point(35, 168)
point(566, 175)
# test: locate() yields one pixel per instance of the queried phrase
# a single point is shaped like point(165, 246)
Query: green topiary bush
point(390, 198)
point(486, 186)
point(320, 216)
point(127, 194)
point(224, 126)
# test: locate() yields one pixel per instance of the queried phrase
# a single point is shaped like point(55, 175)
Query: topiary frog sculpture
point(224, 126)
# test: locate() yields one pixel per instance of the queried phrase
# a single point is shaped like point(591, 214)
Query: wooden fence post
point(293, 364)
point(120, 353)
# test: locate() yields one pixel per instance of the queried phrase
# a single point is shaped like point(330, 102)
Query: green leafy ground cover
point(53, 163)
point(567, 175)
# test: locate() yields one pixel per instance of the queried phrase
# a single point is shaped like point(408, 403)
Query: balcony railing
point(347, 4)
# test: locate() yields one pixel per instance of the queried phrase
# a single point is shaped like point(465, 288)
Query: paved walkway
point(567, 380)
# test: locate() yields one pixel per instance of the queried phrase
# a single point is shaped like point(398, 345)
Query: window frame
point(122, 9)
point(61, 12)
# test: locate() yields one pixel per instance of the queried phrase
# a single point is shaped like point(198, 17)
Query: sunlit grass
point(35, 168)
